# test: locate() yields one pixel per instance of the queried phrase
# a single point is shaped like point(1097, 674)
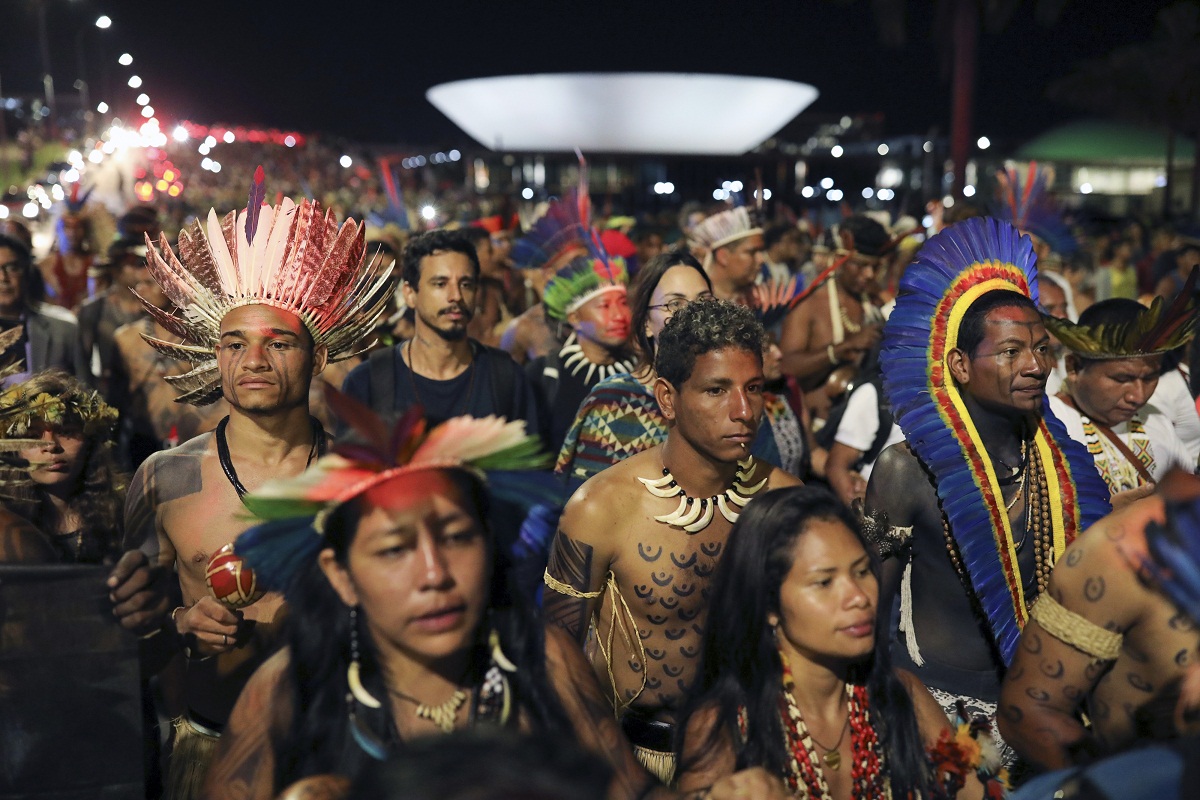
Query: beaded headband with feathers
point(722, 229)
point(294, 510)
point(1159, 329)
point(292, 257)
point(1024, 201)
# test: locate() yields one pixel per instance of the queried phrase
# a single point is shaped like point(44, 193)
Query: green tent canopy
point(1109, 143)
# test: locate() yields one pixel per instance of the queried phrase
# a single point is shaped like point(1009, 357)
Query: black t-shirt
point(473, 393)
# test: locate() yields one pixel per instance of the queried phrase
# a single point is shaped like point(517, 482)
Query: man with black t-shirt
point(441, 368)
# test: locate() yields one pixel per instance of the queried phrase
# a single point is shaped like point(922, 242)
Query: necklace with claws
point(693, 515)
point(574, 360)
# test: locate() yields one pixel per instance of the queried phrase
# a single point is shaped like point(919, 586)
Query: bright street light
point(346, 161)
point(134, 81)
point(103, 22)
point(102, 108)
point(143, 99)
point(125, 60)
point(984, 143)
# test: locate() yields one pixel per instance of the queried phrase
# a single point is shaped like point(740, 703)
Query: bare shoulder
point(600, 497)
point(21, 542)
point(776, 477)
point(1108, 555)
point(898, 461)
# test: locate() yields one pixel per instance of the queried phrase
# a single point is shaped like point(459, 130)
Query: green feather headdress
point(583, 278)
point(1160, 329)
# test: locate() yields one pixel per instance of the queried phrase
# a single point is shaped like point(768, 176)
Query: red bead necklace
point(805, 773)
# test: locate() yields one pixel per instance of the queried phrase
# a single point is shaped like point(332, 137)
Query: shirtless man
point(973, 540)
point(185, 504)
point(836, 325)
point(644, 582)
point(1104, 641)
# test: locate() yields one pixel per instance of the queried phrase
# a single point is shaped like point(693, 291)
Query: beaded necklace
point(805, 772)
point(1037, 522)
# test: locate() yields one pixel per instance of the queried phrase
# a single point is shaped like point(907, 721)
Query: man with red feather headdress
point(265, 298)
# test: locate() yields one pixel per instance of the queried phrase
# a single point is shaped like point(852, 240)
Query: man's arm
point(1072, 639)
point(839, 470)
point(580, 556)
point(897, 481)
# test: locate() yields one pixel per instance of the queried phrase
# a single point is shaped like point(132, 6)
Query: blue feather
point(279, 550)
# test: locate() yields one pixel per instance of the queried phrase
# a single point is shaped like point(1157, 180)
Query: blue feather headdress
point(294, 510)
point(952, 270)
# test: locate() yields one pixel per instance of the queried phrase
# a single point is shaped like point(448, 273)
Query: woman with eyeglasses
point(620, 417)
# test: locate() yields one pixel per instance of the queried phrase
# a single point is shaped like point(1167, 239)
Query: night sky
point(361, 70)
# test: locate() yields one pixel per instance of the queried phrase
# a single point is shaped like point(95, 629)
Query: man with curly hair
point(638, 543)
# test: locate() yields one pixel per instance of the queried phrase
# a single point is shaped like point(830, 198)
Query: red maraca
point(230, 580)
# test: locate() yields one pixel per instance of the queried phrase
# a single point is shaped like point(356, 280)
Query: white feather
point(226, 267)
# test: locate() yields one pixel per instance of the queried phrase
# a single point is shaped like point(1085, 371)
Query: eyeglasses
point(12, 268)
point(677, 304)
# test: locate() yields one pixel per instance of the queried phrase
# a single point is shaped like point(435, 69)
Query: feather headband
point(723, 229)
point(295, 510)
point(580, 280)
point(22, 407)
point(292, 257)
point(1159, 329)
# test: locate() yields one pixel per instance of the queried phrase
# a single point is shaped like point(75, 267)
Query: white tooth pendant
point(694, 515)
point(662, 487)
point(706, 515)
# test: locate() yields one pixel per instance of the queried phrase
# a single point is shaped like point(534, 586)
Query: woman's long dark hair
point(642, 291)
point(317, 737)
point(740, 665)
point(99, 498)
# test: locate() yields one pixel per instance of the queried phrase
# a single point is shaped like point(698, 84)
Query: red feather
point(258, 194)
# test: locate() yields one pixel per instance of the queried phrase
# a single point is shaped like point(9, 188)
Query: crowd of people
point(729, 509)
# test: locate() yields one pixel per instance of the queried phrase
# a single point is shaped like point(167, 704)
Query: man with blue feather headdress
point(972, 511)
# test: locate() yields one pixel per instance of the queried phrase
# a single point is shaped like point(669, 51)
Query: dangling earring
point(370, 744)
point(353, 678)
point(498, 656)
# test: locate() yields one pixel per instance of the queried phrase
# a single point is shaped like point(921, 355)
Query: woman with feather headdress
point(404, 624)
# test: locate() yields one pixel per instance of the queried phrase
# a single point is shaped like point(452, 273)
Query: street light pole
point(47, 78)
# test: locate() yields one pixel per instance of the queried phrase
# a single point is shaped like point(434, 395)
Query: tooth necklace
point(694, 515)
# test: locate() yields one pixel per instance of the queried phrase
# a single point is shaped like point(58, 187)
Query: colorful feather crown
point(292, 257)
point(722, 229)
point(953, 270)
point(1024, 201)
point(1159, 329)
point(562, 233)
point(295, 510)
point(580, 280)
